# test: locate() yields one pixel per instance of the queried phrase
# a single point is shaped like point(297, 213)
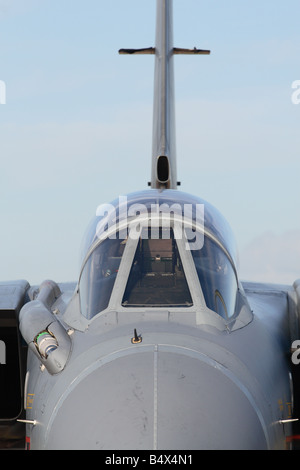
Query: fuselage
point(181, 388)
point(160, 365)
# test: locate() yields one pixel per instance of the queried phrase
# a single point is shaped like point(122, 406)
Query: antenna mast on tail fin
point(164, 172)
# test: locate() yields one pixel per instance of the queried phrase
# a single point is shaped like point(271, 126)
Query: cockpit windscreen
point(99, 275)
point(216, 276)
point(157, 277)
point(157, 268)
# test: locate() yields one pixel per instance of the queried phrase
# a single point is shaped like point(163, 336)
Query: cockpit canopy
point(156, 249)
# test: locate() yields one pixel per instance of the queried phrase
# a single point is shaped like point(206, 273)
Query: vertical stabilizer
point(164, 171)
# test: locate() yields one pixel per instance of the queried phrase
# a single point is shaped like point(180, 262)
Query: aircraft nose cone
point(167, 398)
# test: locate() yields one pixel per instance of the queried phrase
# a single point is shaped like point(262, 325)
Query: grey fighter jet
point(159, 345)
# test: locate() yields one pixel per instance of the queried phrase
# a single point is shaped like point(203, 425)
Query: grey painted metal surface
point(164, 107)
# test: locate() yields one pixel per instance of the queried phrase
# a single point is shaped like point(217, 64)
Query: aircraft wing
point(276, 305)
point(12, 294)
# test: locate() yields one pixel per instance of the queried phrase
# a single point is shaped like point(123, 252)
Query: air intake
point(163, 170)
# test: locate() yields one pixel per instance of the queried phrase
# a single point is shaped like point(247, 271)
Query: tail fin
point(164, 171)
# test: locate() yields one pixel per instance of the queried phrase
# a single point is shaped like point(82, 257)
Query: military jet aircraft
point(159, 345)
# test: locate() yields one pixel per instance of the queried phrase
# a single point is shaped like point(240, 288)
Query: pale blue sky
point(76, 129)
